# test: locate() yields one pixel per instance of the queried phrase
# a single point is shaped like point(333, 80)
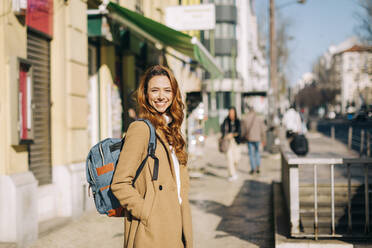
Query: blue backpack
point(100, 167)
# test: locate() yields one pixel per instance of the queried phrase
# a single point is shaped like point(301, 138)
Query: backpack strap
point(150, 153)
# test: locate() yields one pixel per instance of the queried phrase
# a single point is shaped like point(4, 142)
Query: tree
point(282, 37)
point(364, 29)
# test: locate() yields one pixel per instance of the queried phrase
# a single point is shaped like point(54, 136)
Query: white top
point(292, 121)
point(176, 165)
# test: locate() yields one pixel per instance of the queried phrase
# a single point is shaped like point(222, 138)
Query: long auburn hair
point(172, 131)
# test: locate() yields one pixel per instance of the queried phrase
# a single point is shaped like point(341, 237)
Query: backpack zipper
point(100, 151)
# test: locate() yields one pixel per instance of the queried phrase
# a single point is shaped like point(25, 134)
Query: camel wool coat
point(156, 218)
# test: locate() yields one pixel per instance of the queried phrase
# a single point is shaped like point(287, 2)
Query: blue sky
point(316, 25)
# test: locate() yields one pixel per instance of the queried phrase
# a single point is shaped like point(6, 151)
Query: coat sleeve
point(186, 209)
point(134, 150)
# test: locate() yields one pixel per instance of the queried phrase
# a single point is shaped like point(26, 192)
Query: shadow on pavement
point(249, 217)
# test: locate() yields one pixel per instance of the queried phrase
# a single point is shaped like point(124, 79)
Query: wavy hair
point(172, 131)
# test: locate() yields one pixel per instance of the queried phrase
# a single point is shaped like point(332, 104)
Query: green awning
point(159, 33)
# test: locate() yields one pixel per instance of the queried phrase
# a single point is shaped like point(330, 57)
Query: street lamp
point(273, 62)
point(273, 96)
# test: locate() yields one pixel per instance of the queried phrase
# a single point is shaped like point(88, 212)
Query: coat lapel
point(165, 143)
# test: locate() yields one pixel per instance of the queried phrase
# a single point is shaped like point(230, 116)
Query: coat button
point(160, 187)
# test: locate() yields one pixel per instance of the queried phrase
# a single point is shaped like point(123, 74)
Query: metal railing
point(291, 165)
point(357, 138)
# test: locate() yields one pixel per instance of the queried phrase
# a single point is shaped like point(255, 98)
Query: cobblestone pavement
point(225, 214)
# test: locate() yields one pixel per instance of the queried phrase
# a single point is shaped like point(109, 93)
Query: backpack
point(299, 144)
point(100, 167)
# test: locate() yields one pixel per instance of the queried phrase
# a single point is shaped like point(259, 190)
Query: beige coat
point(156, 217)
point(253, 128)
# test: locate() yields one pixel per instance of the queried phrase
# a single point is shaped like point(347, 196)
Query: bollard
point(361, 141)
point(350, 137)
point(333, 132)
point(368, 144)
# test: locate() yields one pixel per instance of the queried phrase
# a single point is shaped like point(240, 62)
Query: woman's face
point(231, 114)
point(159, 93)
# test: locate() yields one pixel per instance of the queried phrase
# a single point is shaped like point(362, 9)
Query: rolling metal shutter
point(38, 52)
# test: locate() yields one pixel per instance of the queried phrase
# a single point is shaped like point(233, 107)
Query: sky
point(315, 26)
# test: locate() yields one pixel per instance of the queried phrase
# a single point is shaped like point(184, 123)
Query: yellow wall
point(12, 45)
point(69, 86)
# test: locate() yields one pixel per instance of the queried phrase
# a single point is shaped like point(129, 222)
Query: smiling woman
point(148, 224)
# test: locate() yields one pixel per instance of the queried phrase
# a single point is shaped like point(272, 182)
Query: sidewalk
point(225, 214)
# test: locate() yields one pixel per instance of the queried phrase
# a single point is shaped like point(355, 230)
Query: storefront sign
point(192, 17)
point(39, 16)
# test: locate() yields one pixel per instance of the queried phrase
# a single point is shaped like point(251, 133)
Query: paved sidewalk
point(225, 214)
point(233, 214)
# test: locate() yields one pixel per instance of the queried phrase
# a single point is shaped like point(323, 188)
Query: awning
point(163, 35)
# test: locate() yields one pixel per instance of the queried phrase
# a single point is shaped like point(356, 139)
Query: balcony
point(226, 13)
point(222, 46)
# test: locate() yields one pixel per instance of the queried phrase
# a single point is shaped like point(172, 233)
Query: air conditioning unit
point(19, 7)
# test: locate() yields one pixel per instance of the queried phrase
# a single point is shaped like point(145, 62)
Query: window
point(225, 62)
point(219, 100)
point(226, 100)
point(209, 101)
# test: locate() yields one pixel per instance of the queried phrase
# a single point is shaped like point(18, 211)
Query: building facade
point(67, 81)
point(346, 69)
point(234, 42)
point(354, 69)
point(44, 82)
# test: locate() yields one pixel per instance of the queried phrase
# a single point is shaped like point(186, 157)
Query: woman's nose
point(161, 95)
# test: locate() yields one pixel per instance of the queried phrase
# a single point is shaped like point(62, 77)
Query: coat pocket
point(147, 206)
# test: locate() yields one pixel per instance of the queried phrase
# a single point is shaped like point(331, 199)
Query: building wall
point(25, 202)
point(355, 79)
point(69, 87)
point(13, 158)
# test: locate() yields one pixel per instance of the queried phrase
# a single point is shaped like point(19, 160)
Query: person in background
point(292, 122)
point(253, 132)
point(230, 129)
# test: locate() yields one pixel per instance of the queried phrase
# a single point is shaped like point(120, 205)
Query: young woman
point(159, 211)
point(231, 129)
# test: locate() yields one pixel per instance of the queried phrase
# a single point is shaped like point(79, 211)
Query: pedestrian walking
point(230, 130)
point(292, 122)
point(253, 132)
point(158, 211)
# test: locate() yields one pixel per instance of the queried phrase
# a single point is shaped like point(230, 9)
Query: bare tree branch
point(364, 17)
